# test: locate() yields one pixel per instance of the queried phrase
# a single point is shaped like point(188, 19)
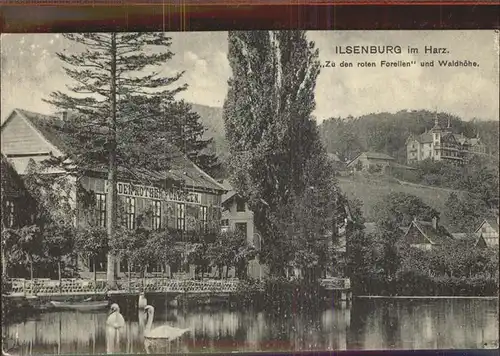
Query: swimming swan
point(115, 319)
point(114, 326)
point(162, 332)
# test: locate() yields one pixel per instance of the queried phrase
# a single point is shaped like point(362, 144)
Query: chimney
point(435, 221)
point(64, 115)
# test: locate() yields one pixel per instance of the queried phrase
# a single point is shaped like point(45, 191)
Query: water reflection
point(368, 324)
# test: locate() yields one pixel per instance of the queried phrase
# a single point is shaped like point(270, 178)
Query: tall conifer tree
point(117, 100)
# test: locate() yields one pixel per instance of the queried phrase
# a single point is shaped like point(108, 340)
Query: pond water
point(366, 324)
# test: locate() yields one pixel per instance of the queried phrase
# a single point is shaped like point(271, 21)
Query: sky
point(30, 70)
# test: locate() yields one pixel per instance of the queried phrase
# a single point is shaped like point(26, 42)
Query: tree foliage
point(46, 241)
point(459, 267)
point(230, 249)
point(121, 109)
point(465, 214)
point(188, 133)
point(91, 243)
point(276, 153)
point(399, 209)
point(115, 74)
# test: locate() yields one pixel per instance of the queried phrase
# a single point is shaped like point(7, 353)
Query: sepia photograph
point(249, 191)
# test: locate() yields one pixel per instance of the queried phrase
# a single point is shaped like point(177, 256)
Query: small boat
point(86, 305)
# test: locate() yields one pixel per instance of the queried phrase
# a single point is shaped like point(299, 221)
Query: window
point(241, 228)
point(156, 268)
point(257, 241)
point(99, 263)
point(100, 209)
point(225, 222)
point(181, 216)
point(130, 212)
point(156, 223)
point(240, 205)
point(9, 217)
point(204, 221)
point(124, 267)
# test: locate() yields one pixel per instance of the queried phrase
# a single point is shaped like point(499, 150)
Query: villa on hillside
point(441, 144)
point(183, 198)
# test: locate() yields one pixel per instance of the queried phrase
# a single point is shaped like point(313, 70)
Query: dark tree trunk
point(94, 262)
point(4, 264)
point(112, 173)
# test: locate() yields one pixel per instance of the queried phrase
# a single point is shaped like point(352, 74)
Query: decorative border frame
point(18, 16)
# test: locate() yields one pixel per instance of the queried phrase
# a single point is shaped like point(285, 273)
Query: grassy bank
point(372, 189)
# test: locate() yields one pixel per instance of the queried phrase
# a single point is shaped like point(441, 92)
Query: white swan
point(165, 332)
point(114, 326)
point(115, 319)
point(143, 302)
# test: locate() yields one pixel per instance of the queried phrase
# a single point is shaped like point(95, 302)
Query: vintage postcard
point(249, 191)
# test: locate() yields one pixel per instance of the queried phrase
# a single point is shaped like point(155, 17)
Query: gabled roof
point(493, 222)
point(426, 137)
point(378, 155)
point(48, 126)
point(461, 139)
point(334, 157)
point(475, 141)
point(463, 236)
point(230, 192)
point(227, 197)
point(372, 155)
point(181, 168)
point(450, 137)
point(434, 236)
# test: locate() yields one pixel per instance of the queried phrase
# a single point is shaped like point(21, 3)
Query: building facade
point(488, 229)
point(426, 235)
point(182, 198)
point(441, 144)
point(236, 215)
point(367, 161)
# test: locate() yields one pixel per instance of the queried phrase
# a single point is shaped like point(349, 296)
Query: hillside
point(211, 118)
point(370, 190)
point(387, 132)
point(383, 132)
